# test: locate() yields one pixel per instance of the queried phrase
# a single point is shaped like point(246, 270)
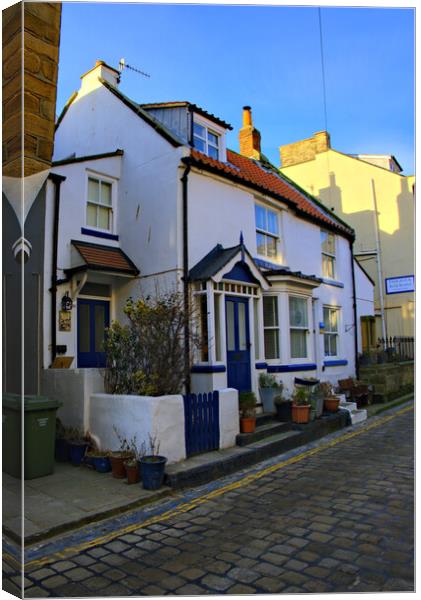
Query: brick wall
point(40, 25)
point(304, 150)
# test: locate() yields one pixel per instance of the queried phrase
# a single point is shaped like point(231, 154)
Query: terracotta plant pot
point(331, 404)
point(247, 424)
point(301, 414)
point(132, 472)
point(117, 466)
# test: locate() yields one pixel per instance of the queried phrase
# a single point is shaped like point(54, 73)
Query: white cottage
point(148, 197)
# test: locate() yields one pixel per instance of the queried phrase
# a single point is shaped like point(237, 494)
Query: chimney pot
point(249, 136)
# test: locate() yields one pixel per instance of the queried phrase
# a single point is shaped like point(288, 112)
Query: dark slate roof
point(76, 159)
point(193, 107)
point(298, 274)
point(213, 262)
point(104, 258)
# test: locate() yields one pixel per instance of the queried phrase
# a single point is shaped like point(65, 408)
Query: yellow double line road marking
point(187, 506)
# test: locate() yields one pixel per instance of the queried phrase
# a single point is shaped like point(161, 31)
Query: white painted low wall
point(139, 416)
point(161, 416)
point(229, 421)
point(73, 388)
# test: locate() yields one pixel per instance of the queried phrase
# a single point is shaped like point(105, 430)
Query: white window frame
point(328, 255)
point(305, 328)
point(206, 141)
point(272, 327)
point(267, 233)
point(329, 332)
point(101, 179)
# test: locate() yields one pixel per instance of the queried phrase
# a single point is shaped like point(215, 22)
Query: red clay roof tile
point(105, 258)
point(251, 173)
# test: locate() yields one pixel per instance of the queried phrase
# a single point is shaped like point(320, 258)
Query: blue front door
point(93, 316)
point(238, 343)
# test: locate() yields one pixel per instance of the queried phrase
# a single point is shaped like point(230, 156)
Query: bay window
point(298, 326)
point(271, 326)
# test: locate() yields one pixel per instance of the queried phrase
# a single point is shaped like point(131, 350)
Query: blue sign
point(398, 285)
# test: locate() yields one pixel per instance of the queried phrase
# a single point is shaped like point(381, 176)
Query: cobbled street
point(340, 520)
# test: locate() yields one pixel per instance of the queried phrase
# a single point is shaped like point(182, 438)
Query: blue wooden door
point(238, 343)
point(93, 316)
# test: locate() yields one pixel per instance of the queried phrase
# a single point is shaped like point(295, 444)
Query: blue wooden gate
point(201, 418)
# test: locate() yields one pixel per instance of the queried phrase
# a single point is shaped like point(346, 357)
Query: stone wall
point(40, 22)
point(389, 380)
point(304, 150)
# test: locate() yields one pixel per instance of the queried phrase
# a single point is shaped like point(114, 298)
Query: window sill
point(334, 362)
point(208, 369)
point(99, 233)
point(291, 368)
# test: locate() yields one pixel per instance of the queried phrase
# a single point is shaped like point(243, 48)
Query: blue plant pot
point(152, 469)
point(77, 452)
point(102, 464)
point(62, 450)
point(267, 396)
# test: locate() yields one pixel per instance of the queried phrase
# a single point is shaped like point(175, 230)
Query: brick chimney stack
point(249, 136)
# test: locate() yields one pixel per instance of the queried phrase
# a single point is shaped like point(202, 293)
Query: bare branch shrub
point(146, 356)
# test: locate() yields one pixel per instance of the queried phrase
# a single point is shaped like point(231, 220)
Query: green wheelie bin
point(38, 439)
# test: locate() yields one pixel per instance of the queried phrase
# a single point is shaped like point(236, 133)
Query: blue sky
point(224, 57)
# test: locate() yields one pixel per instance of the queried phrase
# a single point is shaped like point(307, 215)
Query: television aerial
point(123, 65)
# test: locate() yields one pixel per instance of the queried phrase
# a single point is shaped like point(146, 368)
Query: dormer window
point(206, 141)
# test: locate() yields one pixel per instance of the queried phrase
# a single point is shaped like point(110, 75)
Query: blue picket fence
point(201, 412)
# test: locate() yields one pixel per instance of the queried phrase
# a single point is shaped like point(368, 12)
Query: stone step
point(263, 418)
point(357, 416)
point(349, 405)
point(262, 431)
point(203, 468)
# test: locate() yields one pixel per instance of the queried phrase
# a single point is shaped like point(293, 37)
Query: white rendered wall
point(149, 184)
point(229, 421)
point(73, 388)
point(139, 416)
point(162, 417)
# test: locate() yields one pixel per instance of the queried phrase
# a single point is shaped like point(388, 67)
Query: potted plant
point(283, 408)
point(132, 465)
point(300, 406)
point(317, 401)
point(331, 402)
point(268, 389)
point(78, 444)
point(152, 466)
point(119, 457)
point(101, 460)
point(247, 404)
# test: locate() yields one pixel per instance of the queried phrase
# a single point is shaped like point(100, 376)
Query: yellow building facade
point(371, 195)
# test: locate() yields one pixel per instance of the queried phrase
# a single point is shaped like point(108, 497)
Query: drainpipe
point(184, 181)
point(354, 307)
point(57, 180)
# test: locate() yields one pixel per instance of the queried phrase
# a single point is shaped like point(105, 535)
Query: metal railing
point(401, 348)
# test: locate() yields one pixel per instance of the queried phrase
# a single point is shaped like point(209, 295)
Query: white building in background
point(153, 200)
